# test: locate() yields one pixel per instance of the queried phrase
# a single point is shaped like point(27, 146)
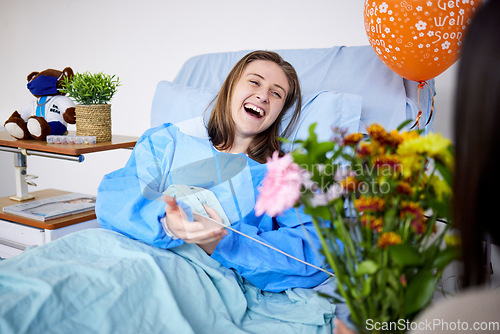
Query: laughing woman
point(244, 126)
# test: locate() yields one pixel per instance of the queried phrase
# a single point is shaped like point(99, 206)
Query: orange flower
point(403, 281)
point(411, 208)
point(418, 220)
point(373, 204)
point(350, 184)
point(404, 188)
point(394, 138)
point(389, 239)
point(364, 150)
point(418, 226)
point(375, 223)
point(352, 139)
point(388, 161)
point(377, 133)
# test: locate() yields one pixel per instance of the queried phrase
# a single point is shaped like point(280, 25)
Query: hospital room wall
point(146, 41)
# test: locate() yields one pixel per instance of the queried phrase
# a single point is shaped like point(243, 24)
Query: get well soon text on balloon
point(418, 39)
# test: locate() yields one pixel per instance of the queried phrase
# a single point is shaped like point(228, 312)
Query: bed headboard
point(345, 86)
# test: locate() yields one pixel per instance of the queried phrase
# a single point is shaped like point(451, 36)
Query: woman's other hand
point(201, 231)
point(341, 328)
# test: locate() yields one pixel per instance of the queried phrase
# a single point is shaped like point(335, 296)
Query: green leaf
point(285, 140)
point(442, 207)
point(367, 267)
point(87, 88)
point(390, 299)
point(393, 280)
point(444, 257)
point(320, 149)
point(367, 286)
point(300, 158)
point(431, 251)
point(419, 292)
point(312, 134)
point(319, 211)
point(404, 254)
point(445, 172)
point(405, 123)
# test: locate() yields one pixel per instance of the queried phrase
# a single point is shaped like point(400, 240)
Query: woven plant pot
point(94, 120)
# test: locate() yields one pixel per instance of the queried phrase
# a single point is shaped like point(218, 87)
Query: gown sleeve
point(268, 269)
point(129, 200)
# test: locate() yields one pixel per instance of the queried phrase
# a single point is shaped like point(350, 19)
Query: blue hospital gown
point(130, 201)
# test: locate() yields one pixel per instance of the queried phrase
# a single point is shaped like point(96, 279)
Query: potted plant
point(92, 94)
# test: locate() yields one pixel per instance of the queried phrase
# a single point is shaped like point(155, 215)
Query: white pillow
point(173, 103)
point(185, 106)
point(194, 127)
point(327, 109)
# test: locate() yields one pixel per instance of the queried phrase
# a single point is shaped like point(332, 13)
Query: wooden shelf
point(117, 141)
point(50, 224)
point(76, 150)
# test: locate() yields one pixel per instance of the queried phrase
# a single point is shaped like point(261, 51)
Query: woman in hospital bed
point(244, 126)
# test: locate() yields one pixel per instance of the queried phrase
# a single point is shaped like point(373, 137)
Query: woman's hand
point(201, 231)
point(341, 328)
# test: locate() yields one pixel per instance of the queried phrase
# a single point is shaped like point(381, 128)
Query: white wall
point(146, 41)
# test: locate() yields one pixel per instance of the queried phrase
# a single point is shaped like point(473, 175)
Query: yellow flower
point(389, 239)
point(452, 239)
point(409, 135)
point(413, 150)
point(440, 187)
point(410, 165)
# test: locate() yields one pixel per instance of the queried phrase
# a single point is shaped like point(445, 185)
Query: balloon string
point(421, 85)
point(432, 111)
point(269, 246)
point(417, 120)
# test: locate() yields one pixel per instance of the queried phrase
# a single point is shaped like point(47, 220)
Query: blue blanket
point(99, 281)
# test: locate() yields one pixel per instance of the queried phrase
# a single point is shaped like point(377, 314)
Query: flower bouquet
point(375, 200)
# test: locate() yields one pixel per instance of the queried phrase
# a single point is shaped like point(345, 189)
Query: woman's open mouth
point(254, 110)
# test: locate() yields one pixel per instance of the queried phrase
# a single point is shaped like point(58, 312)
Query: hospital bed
point(98, 281)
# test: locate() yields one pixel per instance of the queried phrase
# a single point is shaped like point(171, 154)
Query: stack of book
point(53, 207)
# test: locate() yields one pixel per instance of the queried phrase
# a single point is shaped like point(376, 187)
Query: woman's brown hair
point(221, 128)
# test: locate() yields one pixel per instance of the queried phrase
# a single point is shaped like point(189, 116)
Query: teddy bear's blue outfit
point(130, 201)
point(49, 105)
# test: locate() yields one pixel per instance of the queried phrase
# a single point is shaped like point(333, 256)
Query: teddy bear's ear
point(68, 72)
point(32, 75)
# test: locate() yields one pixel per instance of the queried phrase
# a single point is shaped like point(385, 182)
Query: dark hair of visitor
point(476, 134)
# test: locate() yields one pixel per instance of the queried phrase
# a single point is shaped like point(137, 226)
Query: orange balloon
point(418, 39)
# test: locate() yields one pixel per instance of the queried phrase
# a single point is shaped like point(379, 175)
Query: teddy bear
point(49, 114)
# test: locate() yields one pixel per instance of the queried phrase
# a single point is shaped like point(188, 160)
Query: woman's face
point(258, 98)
